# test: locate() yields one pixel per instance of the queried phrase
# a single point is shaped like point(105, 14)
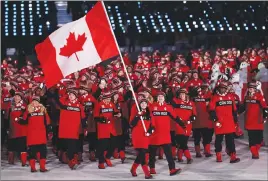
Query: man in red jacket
point(38, 124)
point(17, 132)
point(256, 114)
point(104, 113)
point(72, 116)
point(224, 113)
point(161, 112)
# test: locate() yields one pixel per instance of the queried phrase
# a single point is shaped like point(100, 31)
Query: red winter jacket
point(205, 71)
point(16, 111)
point(184, 110)
point(71, 116)
point(253, 111)
point(202, 116)
point(161, 115)
point(36, 128)
point(139, 139)
point(224, 106)
point(107, 111)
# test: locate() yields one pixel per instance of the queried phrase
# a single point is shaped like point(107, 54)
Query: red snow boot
point(23, 158)
point(108, 162)
point(115, 154)
point(179, 154)
point(11, 157)
point(43, 165)
point(146, 172)
point(122, 156)
point(101, 166)
point(218, 157)
point(73, 164)
point(152, 171)
point(233, 158)
point(133, 169)
point(254, 152)
point(198, 151)
point(207, 150)
point(77, 159)
point(174, 171)
point(32, 165)
point(188, 156)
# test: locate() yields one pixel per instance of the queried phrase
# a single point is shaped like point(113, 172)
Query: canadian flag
point(77, 45)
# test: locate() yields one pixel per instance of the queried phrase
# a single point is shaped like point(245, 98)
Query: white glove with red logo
point(218, 124)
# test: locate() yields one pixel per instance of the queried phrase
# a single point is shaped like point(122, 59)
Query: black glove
point(49, 128)
point(12, 92)
point(213, 116)
point(151, 129)
point(192, 118)
point(134, 122)
point(235, 116)
point(100, 119)
point(180, 122)
point(265, 113)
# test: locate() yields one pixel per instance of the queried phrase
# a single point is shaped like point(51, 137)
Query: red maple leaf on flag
point(73, 45)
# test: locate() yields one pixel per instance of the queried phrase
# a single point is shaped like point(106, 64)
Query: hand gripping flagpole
point(132, 90)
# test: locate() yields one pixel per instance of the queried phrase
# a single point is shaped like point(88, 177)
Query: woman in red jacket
point(140, 139)
point(224, 113)
point(72, 115)
point(17, 132)
point(38, 124)
point(202, 126)
point(185, 109)
point(256, 111)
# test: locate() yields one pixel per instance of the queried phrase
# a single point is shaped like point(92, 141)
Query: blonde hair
point(31, 108)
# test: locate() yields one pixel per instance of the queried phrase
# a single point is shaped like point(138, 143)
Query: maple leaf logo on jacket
point(73, 45)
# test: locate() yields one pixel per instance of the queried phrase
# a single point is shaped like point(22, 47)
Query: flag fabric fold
point(77, 45)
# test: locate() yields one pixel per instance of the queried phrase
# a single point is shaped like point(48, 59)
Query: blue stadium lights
point(178, 23)
point(22, 12)
point(194, 23)
point(40, 26)
point(253, 24)
point(116, 7)
point(6, 34)
point(139, 28)
point(255, 28)
point(211, 25)
point(135, 17)
point(164, 30)
point(187, 26)
point(137, 24)
point(38, 9)
point(37, 5)
point(222, 28)
point(128, 21)
point(7, 9)
point(210, 7)
point(14, 23)
point(179, 26)
point(157, 31)
point(163, 27)
point(40, 33)
point(206, 15)
point(160, 20)
point(14, 27)
point(184, 2)
point(161, 23)
point(143, 17)
point(166, 16)
point(30, 5)
point(224, 18)
point(236, 24)
point(6, 5)
point(189, 30)
point(30, 9)
point(228, 25)
point(112, 21)
point(245, 10)
point(205, 29)
point(190, 15)
point(246, 28)
point(196, 26)
point(199, 18)
point(209, 22)
point(168, 20)
point(14, 34)
point(46, 12)
point(204, 11)
point(238, 28)
point(201, 22)
point(213, 29)
point(172, 30)
point(200, 1)
point(119, 17)
point(220, 25)
point(152, 20)
point(263, 27)
point(48, 23)
point(154, 27)
point(172, 27)
point(159, 16)
point(151, 17)
point(186, 23)
point(230, 28)
point(118, 14)
point(252, 10)
point(203, 26)
point(148, 31)
point(120, 21)
point(14, 5)
point(111, 17)
point(31, 34)
point(6, 31)
point(245, 24)
point(23, 30)
point(153, 24)
point(109, 7)
point(6, 13)
point(6, 16)
point(180, 30)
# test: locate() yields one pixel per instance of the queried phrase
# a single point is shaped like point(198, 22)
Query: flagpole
point(121, 57)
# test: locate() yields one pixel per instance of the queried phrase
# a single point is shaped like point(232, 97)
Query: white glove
point(218, 125)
